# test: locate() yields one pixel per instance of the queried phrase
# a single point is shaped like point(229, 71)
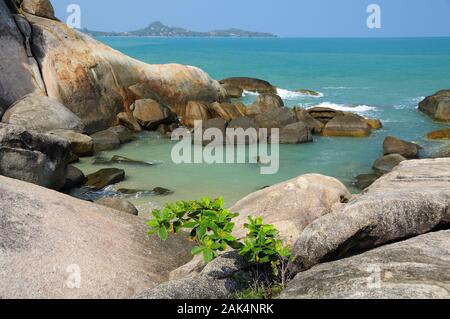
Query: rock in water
point(418, 268)
point(292, 205)
point(123, 133)
point(437, 106)
point(265, 103)
point(105, 141)
point(276, 119)
point(303, 116)
point(104, 177)
point(196, 111)
point(127, 119)
point(347, 125)
point(234, 92)
point(324, 114)
point(74, 178)
point(440, 134)
point(118, 204)
point(295, 134)
point(393, 145)
point(32, 157)
point(386, 164)
point(411, 200)
point(67, 240)
point(80, 144)
point(228, 111)
point(250, 84)
point(151, 114)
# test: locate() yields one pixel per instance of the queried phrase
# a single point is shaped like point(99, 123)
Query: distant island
point(158, 29)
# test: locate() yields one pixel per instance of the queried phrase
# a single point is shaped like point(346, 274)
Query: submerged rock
point(411, 200)
point(308, 92)
point(250, 84)
point(347, 125)
point(157, 191)
point(118, 204)
point(64, 238)
point(116, 159)
point(33, 157)
point(437, 106)
point(104, 177)
point(418, 268)
point(393, 145)
point(365, 180)
point(440, 134)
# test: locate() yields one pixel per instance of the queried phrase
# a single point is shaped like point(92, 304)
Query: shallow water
point(382, 78)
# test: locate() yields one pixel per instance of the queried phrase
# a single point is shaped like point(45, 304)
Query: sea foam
point(348, 108)
point(292, 95)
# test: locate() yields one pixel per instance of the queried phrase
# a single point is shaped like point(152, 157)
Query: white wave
point(292, 95)
point(348, 108)
point(249, 93)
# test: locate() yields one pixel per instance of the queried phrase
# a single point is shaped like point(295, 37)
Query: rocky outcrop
point(303, 116)
point(118, 204)
point(219, 124)
point(387, 163)
point(42, 8)
point(265, 103)
point(278, 118)
point(250, 84)
point(196, 111)
point(105, 141)
point(292, 205)
point(324, 114)
point(80, 144)
point(150, 114)
point(417, 268)
point(347, 125)
point(128, 120)
point(295, 133)
point(74, 178)
point(411, 200)
point(228, 111)
point(233, 92)
point(437, 106)
point(77, 249)
point(393, 145)
point(42, 114)
point(33, 157)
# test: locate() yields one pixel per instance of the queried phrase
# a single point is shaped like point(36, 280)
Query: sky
point(286, 18)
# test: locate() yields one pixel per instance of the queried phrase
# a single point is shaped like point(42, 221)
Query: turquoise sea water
point(382, 78)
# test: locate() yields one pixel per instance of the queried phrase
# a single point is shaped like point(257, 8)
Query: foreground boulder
point(411, 200)
point(418, 268)
point(58, 247)
point(292, 205)
point(393, 145)
point(36, 158)
point(437, 106)
point(347, 125)
point(250, 84)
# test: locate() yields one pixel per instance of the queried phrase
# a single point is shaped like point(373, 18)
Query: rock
point(118, 204)
point(234, 92)
point(393, 145)
point(116, 159)
point(196, 111)
point(215, 123)
point(243, 122)
point(324, 114)
point(189, 270)
point(228, 111)
point(248, 136)
point(443, 152)
point(19, 74)
point(276, 119)
point(104, 177)
point(303, 115)
point(42, 8)
point(33, 157)
point(440, 134)
point(295, 133)
point(74, 178)
point(105, 141)
point(250, 84)
point(365, 180)
point(387, 163)
point(161, 191)
point(265, 103)
point(73, 158)
point(418, 268)
point(123, 133)
point(347, 125)
point(93, 80)
point(411, 200)
point(127, 119)
point(63, 237)
point(437, 106)
point(150, 114)
point(292, 205)
point(374, 124)
point(309, 92)
point(220, 279)
point(81, 145)
point(42, 114)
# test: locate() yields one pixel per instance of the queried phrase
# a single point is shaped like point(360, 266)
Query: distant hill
point(158, 29)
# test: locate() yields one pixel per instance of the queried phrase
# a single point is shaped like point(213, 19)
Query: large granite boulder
point(228, 111)
point(265, 103)
point(33, 157)
point(105, 140)
point(42, 8)
point(233, 92)
point(150, 114)
point(104, 177)
point(56, 246)
point(324, 114)
point(128, 120)
point(19, 73)
point(393, 145)
point(418, 268)
point(295, 133)
point(250, 84)
point(387, 163)
point(118, 204)
point(303, 116)
point(411, 200)
point(196, 111)
point(80, 144)
point(278, 118)
point(292, 205)
point(437, 106)
point(347, 125)
point(42, 114)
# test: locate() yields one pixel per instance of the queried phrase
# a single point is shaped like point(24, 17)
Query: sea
point(382, 78)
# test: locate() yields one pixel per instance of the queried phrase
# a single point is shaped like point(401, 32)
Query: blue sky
point(292, 18)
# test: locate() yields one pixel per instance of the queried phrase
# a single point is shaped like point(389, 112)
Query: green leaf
point(197, 250)
point(162, 233)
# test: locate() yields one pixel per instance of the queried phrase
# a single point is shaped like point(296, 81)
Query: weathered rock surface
point(74, 178)
point(295, 133)
point(418, 268)
point(365, 180)
point(440, 134)
point(233, 92)
point(127, 119)
point(80, 144)
point(217, 124)
point(265, 103)
point(278, 118)
point(33, 157)
point(374, 124)
point(105, 141)
point(123, 133)
point(104, 177)
point(196, 111)
point(324, 114)
point(228, 111)
point(393, 145)
point(50, 240)
point(437, 106)
point(42, 8)
point(42, 114)
point(250, 84)
point(303, 116)
point(118, 204)
point(347, 125)
point(411, 200)
point(292, 205)
point(387, 163)
point(150, 114)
